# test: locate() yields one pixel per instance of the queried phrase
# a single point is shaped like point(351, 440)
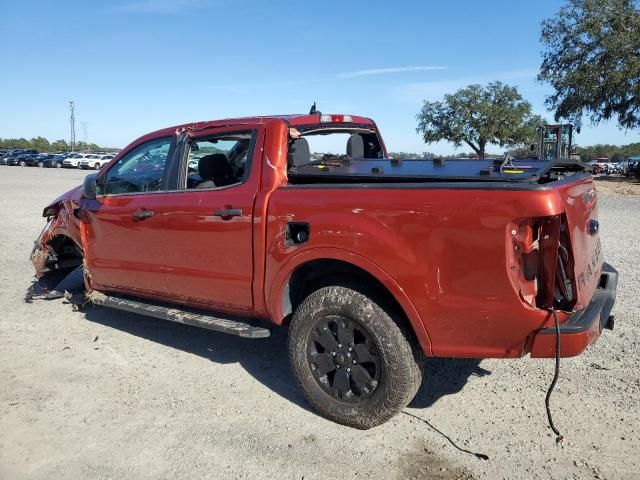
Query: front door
point(208, 240)
point(123, 228)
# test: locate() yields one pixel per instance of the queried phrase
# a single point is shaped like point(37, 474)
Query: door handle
point(143, 214)
point(228, 212)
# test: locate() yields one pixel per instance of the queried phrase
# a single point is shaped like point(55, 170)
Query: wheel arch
point(309, 270)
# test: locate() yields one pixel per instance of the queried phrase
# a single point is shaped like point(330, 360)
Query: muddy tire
point(354, 364)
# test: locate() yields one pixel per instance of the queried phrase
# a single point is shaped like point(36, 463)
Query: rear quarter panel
point(444, 248)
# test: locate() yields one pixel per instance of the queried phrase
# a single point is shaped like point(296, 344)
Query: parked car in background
point(619, 168)
point(633, 164)
point(600, 165)
point(37, 160)
point(54, 161)
point(10, 158)
point(22, 159)
point(73, 160)
point(4, 158)
point(96, 161)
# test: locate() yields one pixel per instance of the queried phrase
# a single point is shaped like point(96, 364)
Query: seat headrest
point(299, 153)
point(355, 146)
point(215, 165)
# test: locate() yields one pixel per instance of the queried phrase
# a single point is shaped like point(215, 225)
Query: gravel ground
point(105, 394)
point(618, 185)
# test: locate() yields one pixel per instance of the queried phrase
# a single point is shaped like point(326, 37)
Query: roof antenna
point(314, 110)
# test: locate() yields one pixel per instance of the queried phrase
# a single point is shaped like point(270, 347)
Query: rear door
point(123, 228)
point(208, 241)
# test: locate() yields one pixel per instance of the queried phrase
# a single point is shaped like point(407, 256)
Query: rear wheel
point(354, 364)
point(58, 165)
point(22, 163)
point(41, 164)
point(96, 166)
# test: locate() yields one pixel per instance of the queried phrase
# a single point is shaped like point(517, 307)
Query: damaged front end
point(58, 247)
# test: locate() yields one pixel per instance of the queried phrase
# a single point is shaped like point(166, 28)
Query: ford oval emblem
point(594, 227)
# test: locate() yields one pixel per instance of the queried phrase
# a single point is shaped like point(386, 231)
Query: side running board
point(223, 325)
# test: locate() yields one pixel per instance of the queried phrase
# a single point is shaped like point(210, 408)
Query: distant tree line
point(43, 145)
point(411, 155)
point(418, 156)
point(612, 152)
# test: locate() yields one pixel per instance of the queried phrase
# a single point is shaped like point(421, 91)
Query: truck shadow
point(266, 359)
point(446, 376)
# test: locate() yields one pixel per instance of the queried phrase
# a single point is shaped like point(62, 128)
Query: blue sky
point(133, 66)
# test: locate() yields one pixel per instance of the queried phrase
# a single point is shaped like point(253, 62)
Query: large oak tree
point(592, 60)
point(479, 115)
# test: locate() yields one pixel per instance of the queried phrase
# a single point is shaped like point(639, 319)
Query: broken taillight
point(540, 262)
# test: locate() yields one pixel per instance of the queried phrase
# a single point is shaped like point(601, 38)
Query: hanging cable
point(559, 437)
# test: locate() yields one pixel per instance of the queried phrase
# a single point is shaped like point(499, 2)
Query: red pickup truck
point(235, 225)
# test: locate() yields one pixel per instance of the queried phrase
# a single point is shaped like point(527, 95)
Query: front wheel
point(22, 163)
point(353, 362)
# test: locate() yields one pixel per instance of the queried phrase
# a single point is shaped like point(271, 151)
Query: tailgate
point(581, 208)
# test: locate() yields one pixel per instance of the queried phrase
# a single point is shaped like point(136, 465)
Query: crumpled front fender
point(62, 222)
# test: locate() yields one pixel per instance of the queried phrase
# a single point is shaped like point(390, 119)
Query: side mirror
point(89, 186)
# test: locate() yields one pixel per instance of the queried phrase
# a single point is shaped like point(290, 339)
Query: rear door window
point(219, 160)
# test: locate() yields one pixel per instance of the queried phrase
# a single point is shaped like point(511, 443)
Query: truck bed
point(341, 170)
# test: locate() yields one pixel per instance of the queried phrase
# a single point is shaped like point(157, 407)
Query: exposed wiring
point(559, 437)
point(480, 456)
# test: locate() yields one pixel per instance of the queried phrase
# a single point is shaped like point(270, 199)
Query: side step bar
point(180, 316)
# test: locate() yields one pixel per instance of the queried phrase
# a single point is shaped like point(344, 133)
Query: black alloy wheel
point(343, 358)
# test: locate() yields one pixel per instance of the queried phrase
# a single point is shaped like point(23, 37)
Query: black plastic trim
point(435, 184)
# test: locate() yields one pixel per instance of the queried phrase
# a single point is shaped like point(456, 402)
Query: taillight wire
point(559, 437)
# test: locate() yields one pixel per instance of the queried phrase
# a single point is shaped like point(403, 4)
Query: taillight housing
point(540, 262)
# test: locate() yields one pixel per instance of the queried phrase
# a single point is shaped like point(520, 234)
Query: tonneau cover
point(390, 170)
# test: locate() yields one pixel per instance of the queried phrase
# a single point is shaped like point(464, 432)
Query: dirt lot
point(105, 394)
point(617, 185)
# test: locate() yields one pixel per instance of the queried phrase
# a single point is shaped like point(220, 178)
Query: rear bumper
point(583, 327)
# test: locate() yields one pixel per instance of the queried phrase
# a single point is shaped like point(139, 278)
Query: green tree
point(478, 116)
point(83, 146)
point(59, 146)
point(592, 60)
point(40, 143)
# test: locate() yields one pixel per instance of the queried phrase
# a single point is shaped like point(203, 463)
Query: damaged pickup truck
point(373, 263)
